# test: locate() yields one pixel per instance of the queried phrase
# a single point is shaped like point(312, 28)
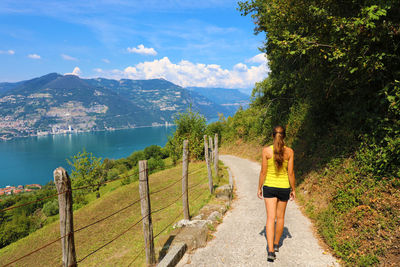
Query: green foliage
point(108, 164)
point(15, 229)
point(86, 170)
point(329, 226)
point(155, 164)
point(334, 69)
point(19, 222)
point(246, 124)
point(136, 156)
point(112, 174)
point(126, 180)
point(379, 151)
point(334, 83)
point(215, 128)
point(368, 260)
point(191, 126)
point(50, 208)
point(154, 151)
point(122, 168)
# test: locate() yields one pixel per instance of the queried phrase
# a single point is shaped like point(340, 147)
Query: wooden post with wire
point(216, 154)
point(211, 148)
point(207, 157)
point(146, 212)
point(63, 185)
point(185, 167)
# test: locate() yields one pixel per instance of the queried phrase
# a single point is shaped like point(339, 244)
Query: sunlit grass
point(114, 197)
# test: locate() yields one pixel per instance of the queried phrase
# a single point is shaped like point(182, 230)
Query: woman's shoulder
point(289, 150)
point(267, 150)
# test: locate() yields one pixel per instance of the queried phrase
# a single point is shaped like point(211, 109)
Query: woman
point(276, 185)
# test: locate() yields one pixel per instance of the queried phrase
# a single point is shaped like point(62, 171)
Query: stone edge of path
point(178, 249)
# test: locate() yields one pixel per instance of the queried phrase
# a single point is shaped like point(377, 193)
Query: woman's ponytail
point(279, 134)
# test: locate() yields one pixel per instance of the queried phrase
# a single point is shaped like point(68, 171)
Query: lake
point(33, 159)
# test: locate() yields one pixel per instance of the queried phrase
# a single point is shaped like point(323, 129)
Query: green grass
point(113, 197)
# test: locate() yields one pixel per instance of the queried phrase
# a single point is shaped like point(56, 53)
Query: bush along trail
point(240, 240)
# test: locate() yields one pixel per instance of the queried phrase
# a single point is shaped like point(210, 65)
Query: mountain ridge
point(229, 98)
point(55, 103)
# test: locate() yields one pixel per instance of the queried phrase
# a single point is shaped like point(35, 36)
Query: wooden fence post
point(216, 155)
point(63, 185)
point(185, 167)
point(146, 212)
point(206, 156)
point(211, 148)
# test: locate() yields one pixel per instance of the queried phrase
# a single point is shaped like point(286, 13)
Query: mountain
point(231, 99)
point(4, 87)
point(57, 103)
point(162, 95)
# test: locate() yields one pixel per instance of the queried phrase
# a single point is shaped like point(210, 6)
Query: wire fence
point(133, 203)
point(137, 172)
point(167, 226)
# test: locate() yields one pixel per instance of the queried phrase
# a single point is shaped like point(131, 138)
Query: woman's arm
point(292, 179)
point(263, 173)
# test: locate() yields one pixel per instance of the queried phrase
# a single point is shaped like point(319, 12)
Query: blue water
point(33, 159)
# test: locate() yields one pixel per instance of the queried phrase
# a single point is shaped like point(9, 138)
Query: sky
point(191, 43)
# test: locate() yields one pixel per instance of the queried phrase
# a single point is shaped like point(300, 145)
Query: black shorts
point(282, 194)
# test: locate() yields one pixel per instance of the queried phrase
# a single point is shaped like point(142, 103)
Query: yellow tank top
point(275, 177)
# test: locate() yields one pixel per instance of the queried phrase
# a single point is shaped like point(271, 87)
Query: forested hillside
point(334, 82)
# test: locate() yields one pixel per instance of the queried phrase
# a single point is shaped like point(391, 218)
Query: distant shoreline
point(83, 131)
point(33, 159)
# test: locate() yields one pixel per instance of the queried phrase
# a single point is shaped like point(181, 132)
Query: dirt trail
point(240, 239)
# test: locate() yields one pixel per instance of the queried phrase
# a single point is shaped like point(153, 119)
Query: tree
point(87, 171)
point(191, 126)
point(342, 59)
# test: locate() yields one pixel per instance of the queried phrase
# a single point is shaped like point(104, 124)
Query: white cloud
point(76, 71)
point(186, 73)
point(240, 67)
point(142, 50)
point(105, 60)
point(34, 56)
point(8, 52)
point(260, 58)
point(67, 57)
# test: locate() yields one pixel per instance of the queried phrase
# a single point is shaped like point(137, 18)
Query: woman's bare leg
point(270, 205)
point(280, 220)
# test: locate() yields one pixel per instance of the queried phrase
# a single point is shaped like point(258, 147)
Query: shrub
point(112, 174)
point(50, 208)
point(191, 126)
point(136, 156)
point(153, 151)
point(155, 164)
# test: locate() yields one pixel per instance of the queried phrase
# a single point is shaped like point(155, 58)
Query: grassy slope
point(123, 250)
point(357, 217)
point(252, 151)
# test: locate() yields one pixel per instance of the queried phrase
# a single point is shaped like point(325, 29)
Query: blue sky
point(191, 43)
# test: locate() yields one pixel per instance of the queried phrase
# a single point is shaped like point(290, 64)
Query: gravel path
point(240, 239)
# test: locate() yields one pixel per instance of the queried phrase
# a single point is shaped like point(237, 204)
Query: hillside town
point(14, 190)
